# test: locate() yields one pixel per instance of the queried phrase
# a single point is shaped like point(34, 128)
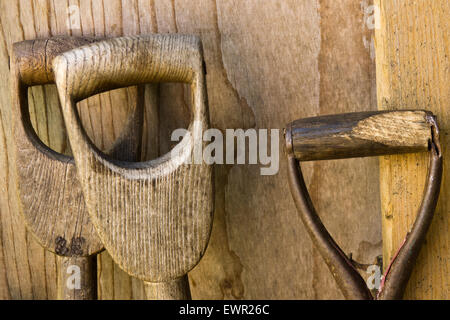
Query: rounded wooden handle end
point(34, 57)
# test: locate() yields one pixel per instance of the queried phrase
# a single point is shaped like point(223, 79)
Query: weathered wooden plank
point(25, 279)
point(412, 50)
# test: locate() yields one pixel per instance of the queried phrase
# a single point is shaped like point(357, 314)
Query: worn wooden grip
point(126, 61)
point(359, 134)
point(155, 217)
point(34, 57)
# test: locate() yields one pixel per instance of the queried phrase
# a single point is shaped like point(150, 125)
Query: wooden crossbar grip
point(126, 61)
point(359, 134)
point(34, 57)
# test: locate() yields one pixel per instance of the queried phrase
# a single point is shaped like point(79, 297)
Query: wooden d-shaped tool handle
point(43, 173)
point(364, 134)
point(52, 203)
point(154, 218)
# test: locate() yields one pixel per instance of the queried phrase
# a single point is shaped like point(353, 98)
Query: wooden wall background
point(269, 62)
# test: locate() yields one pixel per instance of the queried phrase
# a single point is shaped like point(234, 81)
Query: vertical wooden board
point(260, 222)
point(339, 43)
point(412, 49)
point(347, 84)
point(267, 65)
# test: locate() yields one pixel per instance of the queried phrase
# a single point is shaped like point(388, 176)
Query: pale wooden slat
point(412, 72)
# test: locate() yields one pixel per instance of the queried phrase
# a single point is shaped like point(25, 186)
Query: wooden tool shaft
point(359, 134)
point(177, 289)
point(77, 278)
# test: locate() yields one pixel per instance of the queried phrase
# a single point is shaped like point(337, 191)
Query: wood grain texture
point(359, 134)
point(33, 58)
point(412, 49)
point(268, 63)
point(283, 61)
point(177, 289)
point(346, 84)
point(155, 217)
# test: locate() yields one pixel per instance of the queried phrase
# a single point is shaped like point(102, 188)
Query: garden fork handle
point(34, 57)
point(363, 134)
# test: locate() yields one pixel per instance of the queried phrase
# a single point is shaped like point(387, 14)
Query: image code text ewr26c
point(226, 309)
